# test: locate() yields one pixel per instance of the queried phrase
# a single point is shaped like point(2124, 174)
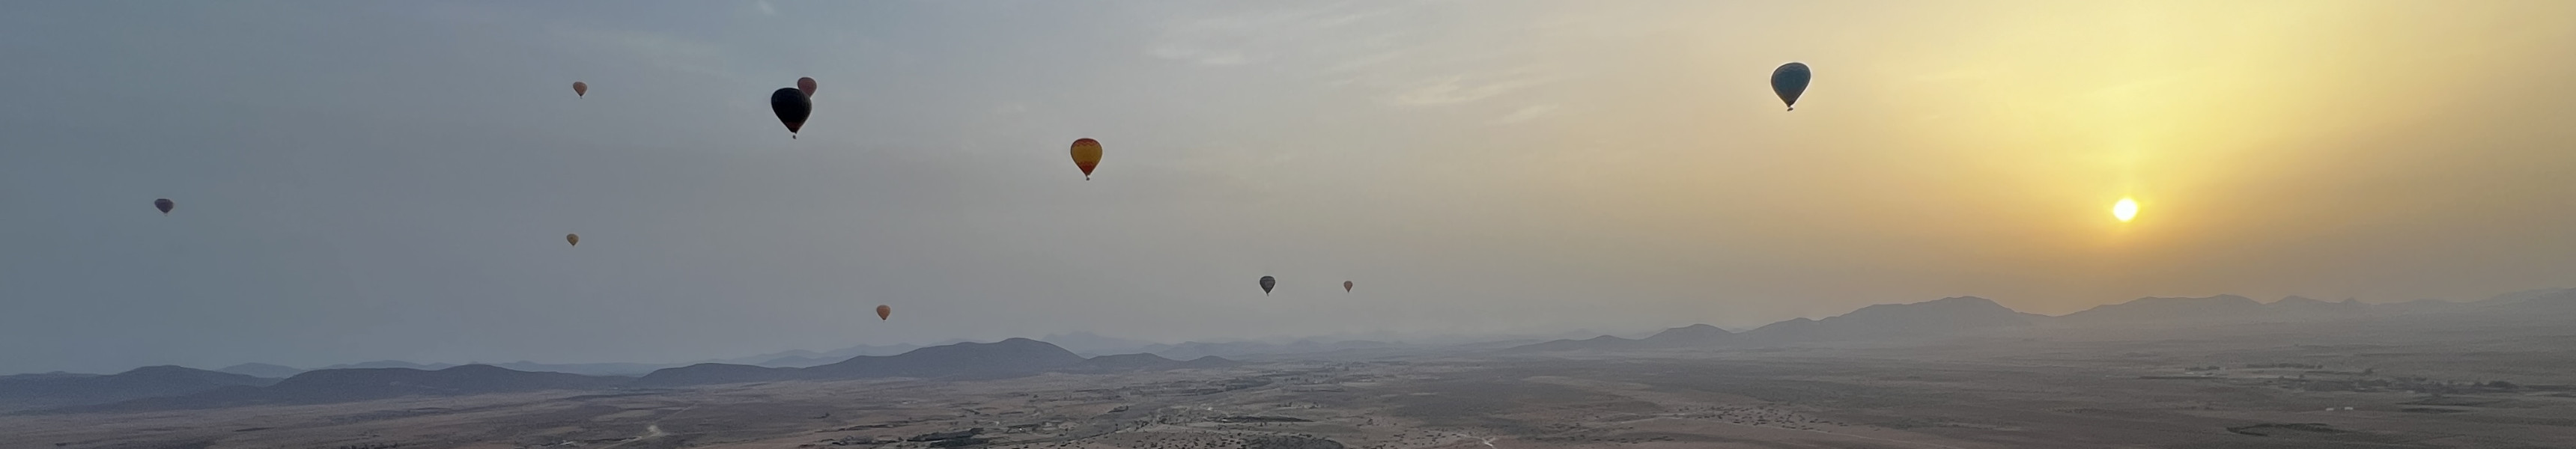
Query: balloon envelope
point(1346, 286)
point(574, 239)
point(580, 88)
point(1086, 155)
point(791, 106)
point(805, 85)
point(1266, 283)
point(164, 204)
point(883, 311)
point(1789, 81)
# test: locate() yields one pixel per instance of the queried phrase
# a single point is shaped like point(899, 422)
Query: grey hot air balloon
point(1266, 283)
point(1789, 81)
point(1346, 286)
point(164, 204)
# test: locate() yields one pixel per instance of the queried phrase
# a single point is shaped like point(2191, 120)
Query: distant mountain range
point(1967, 316)
point(795, 358)
point(151, 381)
point(171, 387)
point(1948, 316)
point(802, 358)
point(261, 370)
point(1017, 356)
point(1081, 343)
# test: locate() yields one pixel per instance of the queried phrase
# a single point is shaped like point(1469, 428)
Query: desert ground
point(2242, 390)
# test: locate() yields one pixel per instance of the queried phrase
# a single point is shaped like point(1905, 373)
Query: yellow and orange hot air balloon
point(1086, 154)
point(883, 311)
point(580, 89)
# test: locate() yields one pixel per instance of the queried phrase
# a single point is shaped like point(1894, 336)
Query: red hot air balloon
point(1346, 286)
point(580, 89)
point(805, 85)
point(883, 311)
point(1086, 155)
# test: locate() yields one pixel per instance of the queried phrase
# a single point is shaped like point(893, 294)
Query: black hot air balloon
point(164, 204)
point(1789, 81)
point(792, 107)
point(1266, 283)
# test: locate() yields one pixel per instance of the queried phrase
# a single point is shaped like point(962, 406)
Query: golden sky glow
point(1967, 148)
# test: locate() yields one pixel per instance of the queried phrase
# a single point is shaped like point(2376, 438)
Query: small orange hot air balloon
point(882, 311)
point(1086, 154)
point(574, 239)
point(580, 89)
point(806, 85)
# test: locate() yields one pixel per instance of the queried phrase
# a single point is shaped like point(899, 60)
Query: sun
point(2125, 210)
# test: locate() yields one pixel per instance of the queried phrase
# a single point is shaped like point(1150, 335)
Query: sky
point(392, 180)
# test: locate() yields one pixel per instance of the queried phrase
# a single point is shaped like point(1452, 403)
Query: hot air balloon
point(882, 311)
point(580, 89)
point(1790, 80)
point(1266, 283)
point(805, 85)
point(164, 204)
point(1346, 286)
point(574, 239)
point(792, 107)
point(1086, 154)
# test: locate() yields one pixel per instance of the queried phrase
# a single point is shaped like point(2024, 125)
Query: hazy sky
point(374, 180)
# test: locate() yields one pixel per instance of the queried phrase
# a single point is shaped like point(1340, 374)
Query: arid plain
point(2359, 383)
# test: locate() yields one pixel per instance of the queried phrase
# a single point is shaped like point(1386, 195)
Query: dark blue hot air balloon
point(164, 204)
point(1790, 80)
point(792, 107)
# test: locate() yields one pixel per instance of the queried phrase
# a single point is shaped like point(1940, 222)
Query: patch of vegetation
point(1290, 442)
point(2270, 429)
point(959, 442)
point(2453, 401)
point(943, 436)
point(1260, 418)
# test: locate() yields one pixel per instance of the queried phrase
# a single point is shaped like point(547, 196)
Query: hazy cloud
point(1526, 114)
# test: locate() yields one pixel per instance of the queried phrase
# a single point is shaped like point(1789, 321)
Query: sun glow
point(2125, 210)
